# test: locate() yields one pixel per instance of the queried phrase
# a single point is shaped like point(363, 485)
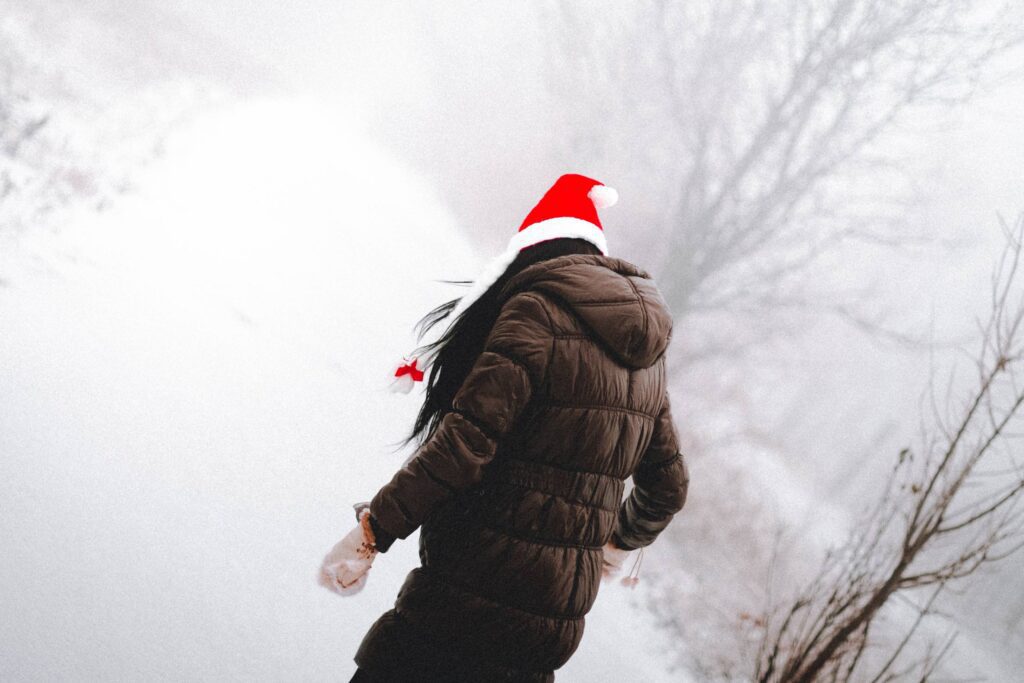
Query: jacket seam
point(629, 401)
point(434, 477)
point(536, 541)
point(575, 315)
point(594, 406)
point(619, 302)
point(488, 433)
point(473, 424)
point(521, 364)
point(551, 330)
point(458, 585)
point(543, 307)
point(560, 303)
point(499, 480)
point(663, 464)
point(643, 311)
point(562, 467)
point(575, 581)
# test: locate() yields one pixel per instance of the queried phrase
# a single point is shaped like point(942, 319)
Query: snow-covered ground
point(192, 398)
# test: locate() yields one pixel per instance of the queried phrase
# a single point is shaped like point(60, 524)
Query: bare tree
point(761, 141)
point(952, 504)
point(768, 131)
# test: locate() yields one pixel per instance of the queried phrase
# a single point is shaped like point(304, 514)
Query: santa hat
point(568, 209)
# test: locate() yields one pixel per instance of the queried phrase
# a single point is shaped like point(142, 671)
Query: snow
point(193, 392)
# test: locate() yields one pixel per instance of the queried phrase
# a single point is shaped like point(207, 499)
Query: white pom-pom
point(409, 371)
point(603, 196)
point(402, 385)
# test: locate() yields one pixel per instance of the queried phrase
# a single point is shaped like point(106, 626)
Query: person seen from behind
point(544, 394)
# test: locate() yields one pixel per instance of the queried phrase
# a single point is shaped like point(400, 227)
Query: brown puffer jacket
point(522, 483)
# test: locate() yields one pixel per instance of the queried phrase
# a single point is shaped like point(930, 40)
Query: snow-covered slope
point(192, 398)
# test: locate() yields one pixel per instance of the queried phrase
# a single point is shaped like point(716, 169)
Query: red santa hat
point(568, 209)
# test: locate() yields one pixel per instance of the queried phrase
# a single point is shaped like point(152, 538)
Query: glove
point(612, 561)
point(345, 568)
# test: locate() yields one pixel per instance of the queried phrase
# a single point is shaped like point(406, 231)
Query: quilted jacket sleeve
point(511, 366)
point(660, 485)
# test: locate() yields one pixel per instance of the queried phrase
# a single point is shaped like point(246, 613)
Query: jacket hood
point(617, 300)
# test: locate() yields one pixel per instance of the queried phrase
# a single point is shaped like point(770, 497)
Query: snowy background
point(218, 223)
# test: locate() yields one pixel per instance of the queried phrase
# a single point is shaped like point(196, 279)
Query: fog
point(220, 221)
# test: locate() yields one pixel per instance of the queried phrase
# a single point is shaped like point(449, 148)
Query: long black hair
point(463, 341)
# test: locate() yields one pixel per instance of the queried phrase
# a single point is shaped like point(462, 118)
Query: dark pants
point(364, 676)
point(393, 651)
point(399, 653)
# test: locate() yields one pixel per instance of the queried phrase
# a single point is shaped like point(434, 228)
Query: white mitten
point(345, 568)
point(614, 559)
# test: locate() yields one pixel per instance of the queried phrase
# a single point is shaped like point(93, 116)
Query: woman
point(546, 392)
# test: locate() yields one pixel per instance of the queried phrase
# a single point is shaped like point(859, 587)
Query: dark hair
point(463, 341)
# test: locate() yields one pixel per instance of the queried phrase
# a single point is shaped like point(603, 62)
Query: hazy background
point(219, 221)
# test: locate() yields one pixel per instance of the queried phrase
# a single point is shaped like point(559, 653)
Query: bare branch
point(924, 531)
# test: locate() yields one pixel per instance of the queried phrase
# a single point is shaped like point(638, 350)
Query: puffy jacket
point(522, 483)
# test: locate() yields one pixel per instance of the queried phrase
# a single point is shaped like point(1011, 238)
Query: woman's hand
point(345, 568)
point(613, 560)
